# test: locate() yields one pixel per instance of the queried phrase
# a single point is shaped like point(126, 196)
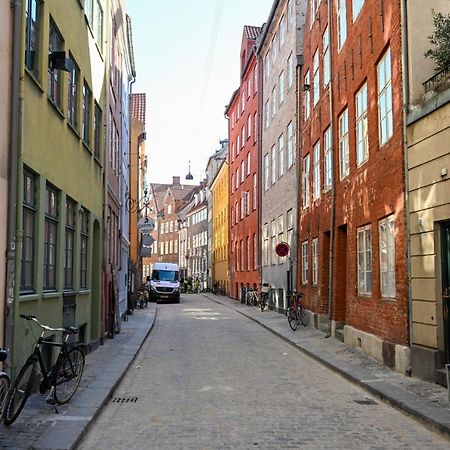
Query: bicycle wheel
point(67, 375)
point(20, 391)
point(262, 304)
point(292, 318)
point(4, 386)
point(303, 316)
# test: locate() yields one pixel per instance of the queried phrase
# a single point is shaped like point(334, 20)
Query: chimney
point(176, 181)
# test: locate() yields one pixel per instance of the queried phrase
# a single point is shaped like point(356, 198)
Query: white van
point(165, 282)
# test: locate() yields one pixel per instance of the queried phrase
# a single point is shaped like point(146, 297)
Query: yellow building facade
point(220, 236)
point(60, 168)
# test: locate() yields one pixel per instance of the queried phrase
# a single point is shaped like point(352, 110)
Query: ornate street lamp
point(189, 175)
point(137, 205)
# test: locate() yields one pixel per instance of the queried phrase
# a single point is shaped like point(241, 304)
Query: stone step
point(339, 334)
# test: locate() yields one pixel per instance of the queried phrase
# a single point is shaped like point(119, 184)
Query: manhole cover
point(125, 400)
point(366, 401)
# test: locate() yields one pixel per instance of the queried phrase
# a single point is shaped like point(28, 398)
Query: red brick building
point(352, 177)
point(243, 119)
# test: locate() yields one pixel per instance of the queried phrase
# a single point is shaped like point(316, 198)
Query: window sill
point(97, 160)
point(51, 294)
point(35, 80)
point(28, 297)
point(87, 147)
point(56, 107)
point(75, 131)
point(84, 292)
point(388, 299)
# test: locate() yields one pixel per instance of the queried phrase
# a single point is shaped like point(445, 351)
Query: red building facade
point(352, 180)
point(243, 120)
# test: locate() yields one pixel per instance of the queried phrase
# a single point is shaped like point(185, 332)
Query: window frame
point(364, 260)
point(390, 262)
point(344, 150)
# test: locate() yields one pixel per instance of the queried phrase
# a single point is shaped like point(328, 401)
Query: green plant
point(441, 40)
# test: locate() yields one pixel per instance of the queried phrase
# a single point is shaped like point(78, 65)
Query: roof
point(159, 191)
point(252, 32)
point(138, 107)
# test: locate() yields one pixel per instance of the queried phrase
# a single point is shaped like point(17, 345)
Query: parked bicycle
point(142, 297)
point(4, 380)
point(296, 312)
point(62, 380)
point(256, 299)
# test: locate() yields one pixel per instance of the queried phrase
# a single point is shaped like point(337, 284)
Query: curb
point(423, 411)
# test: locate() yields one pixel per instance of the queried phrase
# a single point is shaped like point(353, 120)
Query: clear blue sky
point(186, 96)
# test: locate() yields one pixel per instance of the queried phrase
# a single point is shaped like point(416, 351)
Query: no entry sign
point(282, 249)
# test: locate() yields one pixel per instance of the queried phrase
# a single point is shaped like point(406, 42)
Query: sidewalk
point(424, 401)
point(39, 428)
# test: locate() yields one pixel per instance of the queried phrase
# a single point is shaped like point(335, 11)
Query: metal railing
point(437, 79)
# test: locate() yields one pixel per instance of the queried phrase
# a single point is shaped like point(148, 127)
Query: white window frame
point(242, 171)
point(364, 261)
point(290, 145)
point(316, 171)
point(255, 191)
point(305, 181)
point(281, 155)
point(307, 96)
point(255, 127)
point(273, 155)
point(281, 88)
point(249, 126)
point(315, 261)
point(341, 17)
point(266, 171)
point(274, 101)
point(326, 61)
point(327, 160)
point(267, 114)
point(305, 262)
point(385, 118)
point(290, 71)
point(357, 6)
point(386, 229)
point(344, 152)
point(248, 163)
point(362, 135)
point(282, 31)
point(316, 78)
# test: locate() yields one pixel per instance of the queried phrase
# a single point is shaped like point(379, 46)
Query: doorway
point(446, 287)
point(340, 278)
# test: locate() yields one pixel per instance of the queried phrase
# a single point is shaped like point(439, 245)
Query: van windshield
point(165, 275)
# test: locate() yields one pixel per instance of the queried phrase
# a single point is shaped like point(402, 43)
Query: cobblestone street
point(210, 378)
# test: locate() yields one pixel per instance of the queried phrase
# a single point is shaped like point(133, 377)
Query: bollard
point(447, 369)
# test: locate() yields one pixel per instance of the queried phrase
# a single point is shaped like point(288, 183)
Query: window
point(272, 254)
point(237, 178)
point(243, 137)
point(236, 215)
point(290, 226)
point(328, 159)
point(255, 80)
point(255, 253)
point(281, 87)
point(274, 49)
point(232, 182)
point(86, 128)
point(242, 103)
point(305, 262)
point(248, 163)
point(280, 228)
point(282, 31)
point(255, 126)
point(316, 79)
point(385, 97)
point(326, 56)
point(170, 247)
point(72, 99)
point(357, 5)
point(69, 246)
point(315, 261)
point(344, 164)
point(364, 238)
point(238, 146)
point(267, 114)
point(242, 171)
point(242, 255)
point(341, 22)
point(255, 192)
point(267, 65)
point(249, 87)
point(32, 35)
point(281, 155)
point(387, 257)
point(274, 164)
point(249, 126)
point(362, 140)
point(290, 71)
point(305, 181)
point(307, 96)
point(98, 25)
point(89, 12)
point(266, 171)
point(316, 172)
point(266, 244)
point(29, 232)
point(97, 130)
point(84, 237)
point(55, 44)
point(248, 253)
point(290, 145)
point(274, 101)
point(50, 238)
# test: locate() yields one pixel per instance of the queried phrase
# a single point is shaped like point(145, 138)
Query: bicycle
point(296, 312)
point(63, 378)
point(4, 380)
point(255, 299)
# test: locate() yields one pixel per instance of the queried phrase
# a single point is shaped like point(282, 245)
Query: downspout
point(333, 186)
point(298, 158)
point(14, 156)
point(406, 100)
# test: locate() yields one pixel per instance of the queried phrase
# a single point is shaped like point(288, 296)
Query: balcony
point(439, 81)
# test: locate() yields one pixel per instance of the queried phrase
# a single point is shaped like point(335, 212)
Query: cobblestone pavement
point(210, 378)
point(38, 427)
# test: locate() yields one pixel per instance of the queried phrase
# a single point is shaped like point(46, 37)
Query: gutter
point(14, 155)
point(406, 99)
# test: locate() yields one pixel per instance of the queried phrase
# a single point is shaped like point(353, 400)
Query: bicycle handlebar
point(68, 330)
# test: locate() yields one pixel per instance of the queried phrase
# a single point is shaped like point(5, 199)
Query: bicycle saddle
point(72, 330)
point(3, 354)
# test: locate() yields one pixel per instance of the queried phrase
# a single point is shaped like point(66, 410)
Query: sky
point(187, 63)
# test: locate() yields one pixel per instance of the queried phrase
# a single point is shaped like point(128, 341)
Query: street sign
point(282, 249)
point(146, 225)
point(147, 240)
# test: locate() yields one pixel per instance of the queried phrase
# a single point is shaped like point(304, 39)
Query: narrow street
point(208, 377)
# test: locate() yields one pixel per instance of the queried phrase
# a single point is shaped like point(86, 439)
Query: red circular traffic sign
point(282, 249)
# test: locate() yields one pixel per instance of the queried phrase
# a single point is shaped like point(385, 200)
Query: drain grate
point(124, 400)
point(366, 401)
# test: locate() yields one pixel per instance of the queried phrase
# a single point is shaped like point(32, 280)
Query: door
point(446, 287)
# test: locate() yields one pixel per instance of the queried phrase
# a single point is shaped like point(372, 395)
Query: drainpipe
point(406, 100)
point(14, 155)
point(333, 186)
